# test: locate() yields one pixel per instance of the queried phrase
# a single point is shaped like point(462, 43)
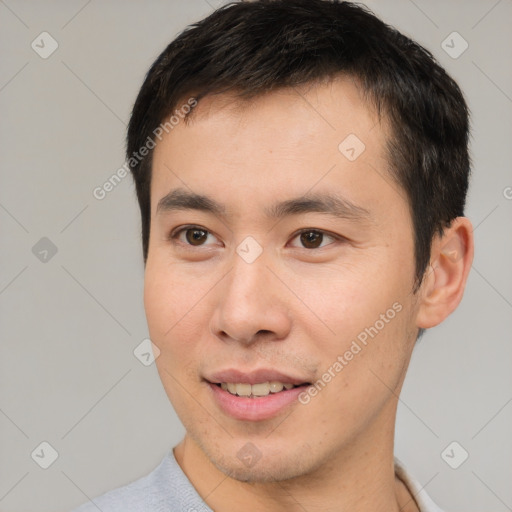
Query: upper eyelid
point(184, 227)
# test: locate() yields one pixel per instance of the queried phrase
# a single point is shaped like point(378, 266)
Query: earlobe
point(445, 279)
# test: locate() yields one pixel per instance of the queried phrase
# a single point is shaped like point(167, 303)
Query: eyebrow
point(328, 203)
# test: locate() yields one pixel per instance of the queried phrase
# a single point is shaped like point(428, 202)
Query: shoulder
point(151, 492)
point(425, 503)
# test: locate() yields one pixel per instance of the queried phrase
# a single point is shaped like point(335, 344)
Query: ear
point(443, 284)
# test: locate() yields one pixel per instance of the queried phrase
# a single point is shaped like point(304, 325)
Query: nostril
point(263, 332)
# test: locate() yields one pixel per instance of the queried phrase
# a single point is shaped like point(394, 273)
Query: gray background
point(69, 324)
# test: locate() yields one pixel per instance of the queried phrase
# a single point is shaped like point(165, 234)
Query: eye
point(195, 236)
point(313, 238)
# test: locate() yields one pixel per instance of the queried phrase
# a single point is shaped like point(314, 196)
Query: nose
point(251, 304)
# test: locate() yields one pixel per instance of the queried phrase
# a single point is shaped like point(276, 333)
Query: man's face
point(248, 296)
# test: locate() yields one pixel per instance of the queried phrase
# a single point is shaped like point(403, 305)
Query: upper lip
point(254, 377)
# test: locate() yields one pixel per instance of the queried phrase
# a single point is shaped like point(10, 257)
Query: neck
point(356, 478)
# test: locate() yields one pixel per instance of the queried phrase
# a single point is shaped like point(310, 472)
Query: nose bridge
point(249, 303)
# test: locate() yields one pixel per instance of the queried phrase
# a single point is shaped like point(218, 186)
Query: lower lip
point(255, 409)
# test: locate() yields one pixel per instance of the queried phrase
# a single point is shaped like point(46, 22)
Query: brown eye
point(192, 236)
point(196, 236)
point(314, 239)
point(311, 239)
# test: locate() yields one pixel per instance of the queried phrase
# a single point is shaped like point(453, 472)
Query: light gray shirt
point(167, 489)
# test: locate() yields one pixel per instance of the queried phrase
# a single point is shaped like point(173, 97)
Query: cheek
point(345, 301)
point(171, 299)
point(367, 317)
point(169, 313)
point(364, 366)
point(159, 304)
point(175, 331)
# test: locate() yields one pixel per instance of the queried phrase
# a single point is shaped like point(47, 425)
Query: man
point(301, 170)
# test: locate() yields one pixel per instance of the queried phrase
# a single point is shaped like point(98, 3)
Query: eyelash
point(173, 236)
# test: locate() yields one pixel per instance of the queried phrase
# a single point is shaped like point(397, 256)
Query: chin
point(270, 467)
point(261, 473)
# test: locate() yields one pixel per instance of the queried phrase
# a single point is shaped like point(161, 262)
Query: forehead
point(288, 138)
point(337, 103)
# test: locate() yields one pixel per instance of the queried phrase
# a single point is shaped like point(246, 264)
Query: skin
point(296, 308)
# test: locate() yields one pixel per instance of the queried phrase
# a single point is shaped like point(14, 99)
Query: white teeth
point(275, 387)
point(243, 389)
point(260, 389)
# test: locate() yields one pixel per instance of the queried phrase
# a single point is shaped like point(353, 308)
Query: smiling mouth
point(258, 390)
